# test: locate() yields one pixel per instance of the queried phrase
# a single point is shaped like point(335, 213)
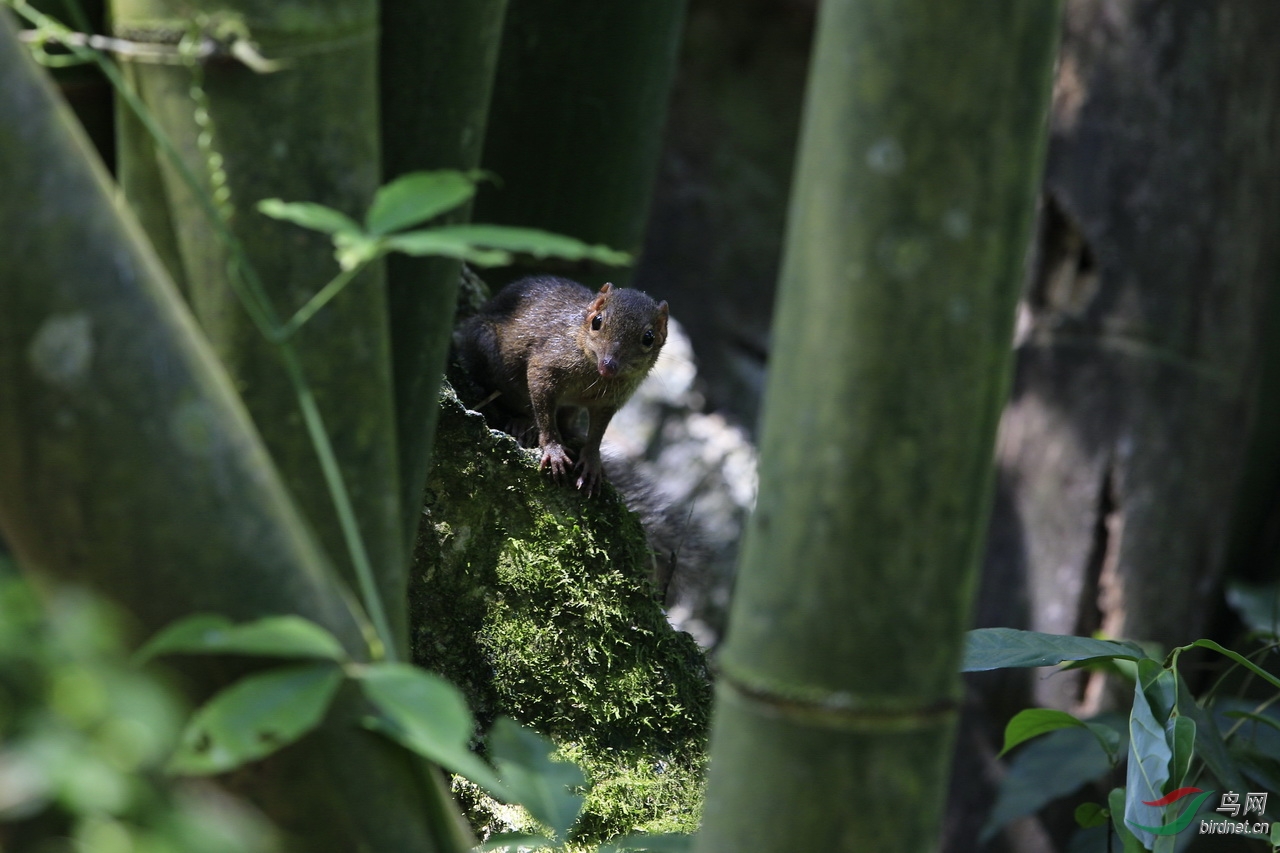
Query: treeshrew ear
point(598, 304)
point(607, 287)
point(663, 313)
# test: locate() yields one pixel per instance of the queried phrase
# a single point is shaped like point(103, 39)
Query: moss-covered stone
point(536, 600)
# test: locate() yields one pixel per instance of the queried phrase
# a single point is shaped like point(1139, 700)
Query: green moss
point(536, 600)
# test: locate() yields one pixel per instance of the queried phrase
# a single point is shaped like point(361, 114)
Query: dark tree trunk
point(1140, 338)
point(1137, 453)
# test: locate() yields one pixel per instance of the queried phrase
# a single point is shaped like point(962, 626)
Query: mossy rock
point(537, 601)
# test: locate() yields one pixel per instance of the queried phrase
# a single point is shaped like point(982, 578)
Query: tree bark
point(1141, 334)
point(920, 153)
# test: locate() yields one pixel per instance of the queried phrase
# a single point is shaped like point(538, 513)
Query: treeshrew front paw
point(590, 473)
point(557, 459)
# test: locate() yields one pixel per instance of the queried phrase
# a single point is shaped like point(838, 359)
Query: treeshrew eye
point(596, 322)
point(647, 339)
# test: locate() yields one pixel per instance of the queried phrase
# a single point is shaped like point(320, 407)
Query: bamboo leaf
point(542, 786)
point(255, 717)
point(433, 242)
point(428, 715)
point(1000, 648)
point(308, 214)
point(531, 241)
point(417, 197)
point(272, 636)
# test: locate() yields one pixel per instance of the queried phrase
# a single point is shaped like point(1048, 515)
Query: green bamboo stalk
point(128, 462)
point(922, 145)
point(438, 59)
point(576, 125)
point(308, 131)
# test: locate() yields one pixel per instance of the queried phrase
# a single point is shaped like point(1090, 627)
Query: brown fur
point(535, 346)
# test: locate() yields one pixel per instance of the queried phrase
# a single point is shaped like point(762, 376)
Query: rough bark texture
point(1137, 453)
point(921, 152)
point(1140, 337)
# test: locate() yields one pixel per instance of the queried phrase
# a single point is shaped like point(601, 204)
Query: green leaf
point(255, 717)
point(1211, 748)
point(429, 716)
point(542, 786)
point(308, 214)
point(1035, 721)
point(271, 636)
point(1052, 766)
point(666, 843)
point(1257, 718)
point(515, 841)
point(1149, 759)
point(1091, 814)
point(1240, 659)
point(531, 241)
point(1180, 732)
point(1115, 804)
point(417, 197)
point(1001, 648)
point(432, 242)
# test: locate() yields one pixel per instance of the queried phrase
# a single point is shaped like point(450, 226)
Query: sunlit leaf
point(432, 242)
point(428, 715)
point(308, 214)
point(542, 786)
point(531, 241)
point(255, 717)
point(272, 636)
point(417, 197)
point(1038, 721)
